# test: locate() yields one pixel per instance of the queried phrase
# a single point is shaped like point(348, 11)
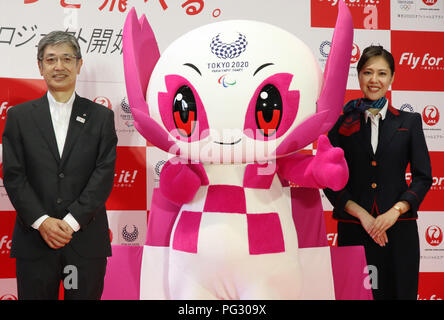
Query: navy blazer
point(377, 181)
point(40, 181)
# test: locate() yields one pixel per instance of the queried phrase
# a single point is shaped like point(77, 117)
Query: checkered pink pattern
point(263, 224)
point(264, 228)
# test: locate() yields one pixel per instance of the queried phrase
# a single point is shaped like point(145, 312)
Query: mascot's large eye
point(184, 111)
point(272, 108)
point(268, 110)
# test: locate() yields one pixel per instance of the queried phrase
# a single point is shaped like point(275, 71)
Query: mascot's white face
point(230, 92)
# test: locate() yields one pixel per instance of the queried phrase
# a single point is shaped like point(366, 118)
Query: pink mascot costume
point(232, 103)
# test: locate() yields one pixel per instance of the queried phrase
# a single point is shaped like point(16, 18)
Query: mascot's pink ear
point(337, 68)
point(140, 55)
point(331, 99)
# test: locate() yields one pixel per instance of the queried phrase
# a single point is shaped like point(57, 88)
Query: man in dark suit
point(59, 155)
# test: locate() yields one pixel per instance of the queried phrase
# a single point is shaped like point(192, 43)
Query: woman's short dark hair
point(374, 51)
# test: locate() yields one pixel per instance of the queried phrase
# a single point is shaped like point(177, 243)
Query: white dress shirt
point(60, 115)
point(374, 119)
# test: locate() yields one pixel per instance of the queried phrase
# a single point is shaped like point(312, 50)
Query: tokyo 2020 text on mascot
point(233, 102)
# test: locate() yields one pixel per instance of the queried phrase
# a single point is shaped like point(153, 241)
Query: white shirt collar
point(60, 115)
point(381, 113)
point(52, 100)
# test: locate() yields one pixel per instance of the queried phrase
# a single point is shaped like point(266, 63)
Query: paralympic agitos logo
point(225, 81)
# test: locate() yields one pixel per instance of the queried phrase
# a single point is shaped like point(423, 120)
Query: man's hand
point(56, 233)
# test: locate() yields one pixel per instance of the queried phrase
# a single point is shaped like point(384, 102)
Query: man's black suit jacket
point(377, 181)
point(39, 181)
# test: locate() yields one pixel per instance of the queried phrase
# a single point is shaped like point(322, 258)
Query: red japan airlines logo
point(356, 53)
point(430, 2)
point(104, 101)
point(430, 115)
point(434, 235)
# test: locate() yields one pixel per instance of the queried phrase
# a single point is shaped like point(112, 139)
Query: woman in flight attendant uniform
point(377, 208)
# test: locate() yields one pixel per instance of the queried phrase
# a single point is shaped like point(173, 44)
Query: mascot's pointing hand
point(329, 165)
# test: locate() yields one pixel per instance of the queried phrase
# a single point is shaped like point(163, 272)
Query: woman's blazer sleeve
point(420, 166)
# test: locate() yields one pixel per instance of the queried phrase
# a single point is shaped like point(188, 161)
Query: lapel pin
point(80, 119)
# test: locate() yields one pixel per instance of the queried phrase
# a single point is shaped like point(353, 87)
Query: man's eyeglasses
point(67, 60)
